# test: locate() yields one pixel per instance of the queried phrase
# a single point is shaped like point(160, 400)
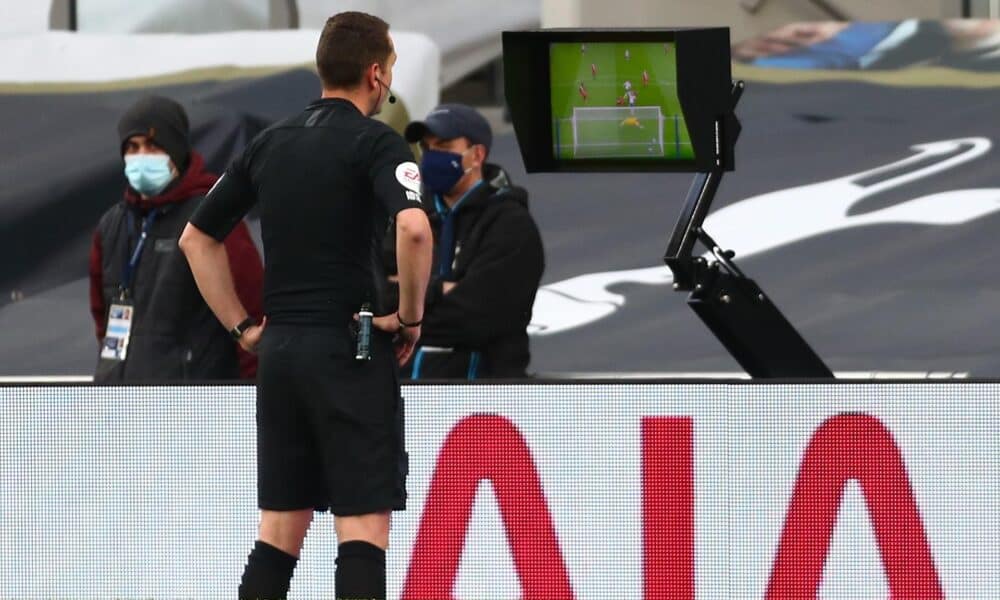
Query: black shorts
point(329, 427)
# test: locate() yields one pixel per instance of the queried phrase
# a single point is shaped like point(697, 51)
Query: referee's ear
point(373, 75)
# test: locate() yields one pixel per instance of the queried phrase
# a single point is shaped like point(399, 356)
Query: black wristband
point(403, 324)
point(241, 327)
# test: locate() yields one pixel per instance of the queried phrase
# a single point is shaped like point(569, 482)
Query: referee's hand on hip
point(251, 337)
point(406, 337)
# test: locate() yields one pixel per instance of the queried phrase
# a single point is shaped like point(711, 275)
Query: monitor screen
point(621, 99)
point(617, 100)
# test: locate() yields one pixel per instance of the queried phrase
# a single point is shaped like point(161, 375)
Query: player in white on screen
point(628, 86)
point(631, 101)
point(628, 56)
point(583, 48)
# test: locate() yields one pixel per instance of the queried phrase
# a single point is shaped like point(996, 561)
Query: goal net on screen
point(613, 131)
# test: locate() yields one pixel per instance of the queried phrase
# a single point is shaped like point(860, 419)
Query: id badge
point(118, 332)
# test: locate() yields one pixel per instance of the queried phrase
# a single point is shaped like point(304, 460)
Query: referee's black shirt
point(328, 180)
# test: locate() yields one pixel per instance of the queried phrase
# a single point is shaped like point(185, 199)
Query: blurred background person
point(151, 321)
point(972, 44)
point(488, 258)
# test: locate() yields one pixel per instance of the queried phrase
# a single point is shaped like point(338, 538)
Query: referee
point(328, 182)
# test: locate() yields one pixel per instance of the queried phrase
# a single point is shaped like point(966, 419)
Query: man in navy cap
point(488, 258)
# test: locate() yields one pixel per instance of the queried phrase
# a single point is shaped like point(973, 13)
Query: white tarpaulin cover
point(466, 31)
point(60, 57)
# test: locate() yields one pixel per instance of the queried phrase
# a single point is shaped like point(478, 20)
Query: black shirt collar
point(331, 103)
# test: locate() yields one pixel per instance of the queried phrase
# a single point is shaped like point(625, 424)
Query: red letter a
point(485, 447)
point(853, 447)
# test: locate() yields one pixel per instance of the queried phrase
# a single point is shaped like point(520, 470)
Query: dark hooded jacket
point(498, 264)
point(175, 336)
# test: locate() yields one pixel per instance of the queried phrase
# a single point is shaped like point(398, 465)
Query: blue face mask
point(440, 170)
point(148, 174)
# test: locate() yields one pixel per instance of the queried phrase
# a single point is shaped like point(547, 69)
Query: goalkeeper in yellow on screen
point(630, 122)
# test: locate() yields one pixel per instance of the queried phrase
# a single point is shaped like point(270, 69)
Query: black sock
point(360, 571)
point(268, 573)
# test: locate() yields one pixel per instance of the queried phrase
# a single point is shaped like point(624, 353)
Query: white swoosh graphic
point(791, 215)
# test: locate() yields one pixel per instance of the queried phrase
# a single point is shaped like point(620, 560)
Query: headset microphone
point(392, 98)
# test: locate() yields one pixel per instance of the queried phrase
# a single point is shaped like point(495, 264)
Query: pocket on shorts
point(361, 391)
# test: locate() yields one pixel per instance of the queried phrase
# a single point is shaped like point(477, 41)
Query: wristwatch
point(240, 328)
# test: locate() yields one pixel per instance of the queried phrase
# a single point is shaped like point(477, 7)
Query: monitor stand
point(732, 305)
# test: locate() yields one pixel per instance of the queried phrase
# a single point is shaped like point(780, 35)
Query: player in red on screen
point(583, 91)
point(593, 70)
point(645, 78)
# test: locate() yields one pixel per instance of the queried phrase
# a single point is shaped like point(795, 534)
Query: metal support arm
point(733, 306)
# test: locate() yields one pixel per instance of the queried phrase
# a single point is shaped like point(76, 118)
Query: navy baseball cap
point(450, 121)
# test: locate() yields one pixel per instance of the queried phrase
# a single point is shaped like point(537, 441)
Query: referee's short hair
point(350, 43)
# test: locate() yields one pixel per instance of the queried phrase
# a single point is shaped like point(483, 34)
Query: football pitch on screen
point(592, 115)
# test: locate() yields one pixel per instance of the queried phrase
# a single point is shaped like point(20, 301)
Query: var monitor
point(621, 100)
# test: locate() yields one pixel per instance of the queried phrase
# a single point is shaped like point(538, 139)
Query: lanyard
point(128, 272)
point(446, 245)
